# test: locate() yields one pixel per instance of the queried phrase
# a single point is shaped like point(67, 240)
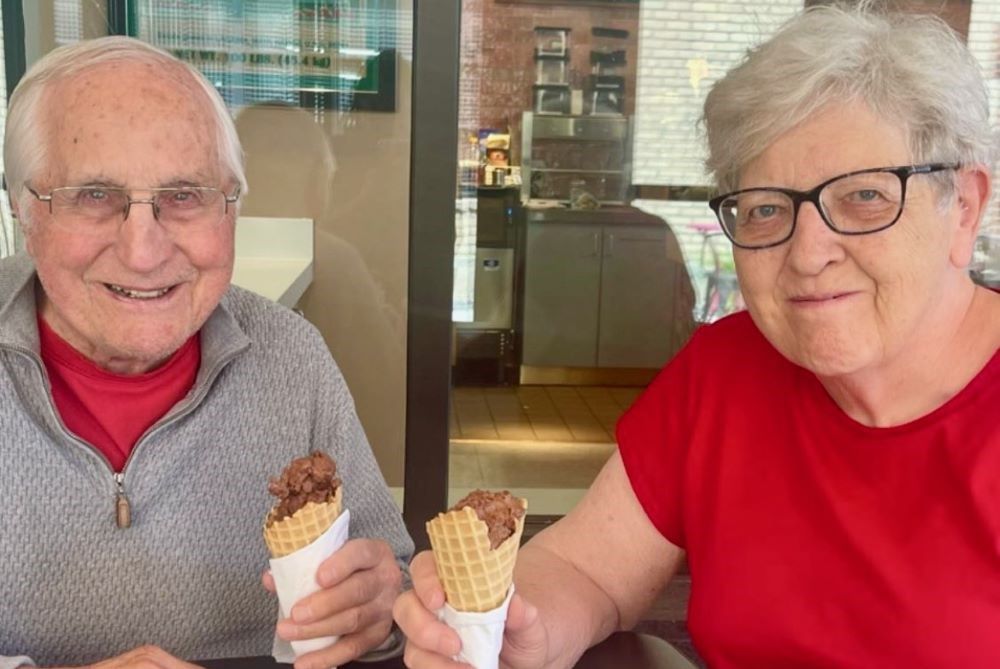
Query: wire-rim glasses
point(97, 209)
point(855, 203)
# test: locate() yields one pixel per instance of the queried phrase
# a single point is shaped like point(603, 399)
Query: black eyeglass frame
point(129, 200)
point(799, 196)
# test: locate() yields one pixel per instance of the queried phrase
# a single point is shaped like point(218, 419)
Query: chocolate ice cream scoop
point(499, 510)
point(308, 479)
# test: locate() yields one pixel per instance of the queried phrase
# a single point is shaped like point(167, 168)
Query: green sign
point(335, 54)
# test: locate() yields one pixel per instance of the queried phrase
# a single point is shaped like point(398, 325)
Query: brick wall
point(498, 66)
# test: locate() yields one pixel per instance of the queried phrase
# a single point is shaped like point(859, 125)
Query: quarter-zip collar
point(222, 340)
point(18, 328)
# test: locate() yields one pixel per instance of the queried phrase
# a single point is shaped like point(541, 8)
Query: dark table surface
point(623, 649)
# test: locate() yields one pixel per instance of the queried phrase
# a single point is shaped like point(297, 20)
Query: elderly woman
point(829, 461)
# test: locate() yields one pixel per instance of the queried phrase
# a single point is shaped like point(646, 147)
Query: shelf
point(597, 135)
point(613, 128)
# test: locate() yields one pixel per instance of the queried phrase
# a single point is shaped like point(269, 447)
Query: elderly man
point(144, 402)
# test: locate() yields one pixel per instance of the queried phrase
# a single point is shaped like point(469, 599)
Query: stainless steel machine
point(560, 153)
point(486, 347)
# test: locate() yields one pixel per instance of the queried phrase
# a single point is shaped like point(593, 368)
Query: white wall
point(684, 47)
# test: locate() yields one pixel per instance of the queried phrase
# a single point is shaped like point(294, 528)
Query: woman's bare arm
point(598, 569)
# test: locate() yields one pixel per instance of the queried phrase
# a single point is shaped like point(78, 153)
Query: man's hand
point(359, 584)
point(430, 643)
point(144, 657)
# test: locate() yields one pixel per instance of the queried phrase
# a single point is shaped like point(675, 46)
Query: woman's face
point(839, 304)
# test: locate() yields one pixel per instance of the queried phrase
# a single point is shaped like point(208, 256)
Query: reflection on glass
point(568, 295)
point(321, 92)
point(985, 267)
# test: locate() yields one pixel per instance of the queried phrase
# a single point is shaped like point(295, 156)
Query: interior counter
point(274, 257)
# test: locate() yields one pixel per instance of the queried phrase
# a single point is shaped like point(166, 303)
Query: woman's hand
point(359, 584)
point(430, 644)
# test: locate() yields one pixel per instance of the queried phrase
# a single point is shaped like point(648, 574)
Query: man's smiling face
point(129, 297)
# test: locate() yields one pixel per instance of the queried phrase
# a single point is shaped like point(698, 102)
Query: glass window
point(568, 296)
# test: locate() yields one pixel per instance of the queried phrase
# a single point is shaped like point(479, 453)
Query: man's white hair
point(25, 148)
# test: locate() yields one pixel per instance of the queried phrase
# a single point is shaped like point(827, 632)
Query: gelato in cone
point(304, 528)
point(475, 546)
point(310, 498)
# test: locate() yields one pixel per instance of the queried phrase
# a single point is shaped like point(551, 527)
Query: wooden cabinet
point(612, 295)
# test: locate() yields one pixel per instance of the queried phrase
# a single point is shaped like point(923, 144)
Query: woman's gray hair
point(908, 68)
point(25, 144)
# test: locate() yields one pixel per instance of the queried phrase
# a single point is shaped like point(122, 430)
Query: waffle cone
point(475, 577)
point(302, 527)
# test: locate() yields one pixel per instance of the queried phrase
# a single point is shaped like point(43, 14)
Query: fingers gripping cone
point(475, 577)
point(298, 545)
point(306, 525)
point(288, 535)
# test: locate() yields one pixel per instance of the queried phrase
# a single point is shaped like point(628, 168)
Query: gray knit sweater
point(74, 588)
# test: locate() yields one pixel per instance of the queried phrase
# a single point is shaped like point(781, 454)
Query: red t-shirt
point(814, 541)
point(111, 411)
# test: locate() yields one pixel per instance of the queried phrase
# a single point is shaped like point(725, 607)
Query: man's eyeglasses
point(99, 209)
point(856, 203)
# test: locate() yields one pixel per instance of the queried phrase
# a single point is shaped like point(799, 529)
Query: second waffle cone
point(475, 577)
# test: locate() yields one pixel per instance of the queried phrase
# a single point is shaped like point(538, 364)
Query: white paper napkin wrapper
point(481, 633)
point(295, 578)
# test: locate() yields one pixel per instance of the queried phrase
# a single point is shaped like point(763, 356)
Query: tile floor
point(544, 443)
point(542, 413)
point(552, 476)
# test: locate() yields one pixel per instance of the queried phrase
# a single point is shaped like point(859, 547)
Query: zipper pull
point(123, 511)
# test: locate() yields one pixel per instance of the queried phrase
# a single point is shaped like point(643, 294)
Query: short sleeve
point(653, 439)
